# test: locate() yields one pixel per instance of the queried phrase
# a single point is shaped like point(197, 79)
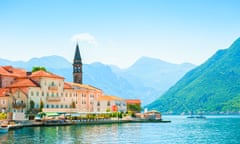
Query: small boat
point(4, 128)
point(197, 116)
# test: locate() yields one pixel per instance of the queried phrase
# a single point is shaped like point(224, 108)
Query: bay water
point(181, 130)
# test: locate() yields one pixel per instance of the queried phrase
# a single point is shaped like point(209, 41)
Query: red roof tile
point(133, 101)
point(23, 83)
point(4, 72)
point(67, 86)
point(3, 91)
point(23, 89)
point(14, 72)
point(42, 73)
point(109, 98)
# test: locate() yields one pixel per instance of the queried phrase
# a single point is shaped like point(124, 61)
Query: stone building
point(23, 93)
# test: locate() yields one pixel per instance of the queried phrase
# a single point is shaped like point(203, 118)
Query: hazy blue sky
point(118, 31)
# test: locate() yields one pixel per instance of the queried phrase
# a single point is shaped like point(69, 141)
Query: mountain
point(146, 79)
point(151, 77)
point(213, 87)
point(52, 62)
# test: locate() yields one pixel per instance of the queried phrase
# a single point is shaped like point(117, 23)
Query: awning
point(75, 114)
point(52, 114)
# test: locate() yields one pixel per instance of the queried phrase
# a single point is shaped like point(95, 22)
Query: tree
point(37, 68)
point(41, 105)
point(31, 104)
point(134, 107)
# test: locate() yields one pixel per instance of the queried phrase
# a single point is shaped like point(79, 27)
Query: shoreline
point(33, 123)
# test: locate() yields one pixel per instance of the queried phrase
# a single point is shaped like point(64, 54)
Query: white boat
point(4, 129)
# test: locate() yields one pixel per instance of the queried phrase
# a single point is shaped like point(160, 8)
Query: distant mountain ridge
point(213, 87)
point(146, 79)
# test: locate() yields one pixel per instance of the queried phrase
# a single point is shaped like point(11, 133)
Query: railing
point(60, 110)
point(52, 88)
point(53, 99)
point(19, 105)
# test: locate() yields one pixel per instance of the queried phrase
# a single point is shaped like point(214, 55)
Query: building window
point(66, 106)
point(37, 93)
point(42, 93)
point(108, 103)
point(52, 106)
point(61, 106)
point(32, 93)
point(47, 106)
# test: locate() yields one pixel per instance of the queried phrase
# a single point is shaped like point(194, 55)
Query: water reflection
point(180, 130)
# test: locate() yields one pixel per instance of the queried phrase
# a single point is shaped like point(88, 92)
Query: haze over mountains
point(146, 79)
point(213, 87)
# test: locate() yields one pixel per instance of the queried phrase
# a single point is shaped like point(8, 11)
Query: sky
point(118, 32)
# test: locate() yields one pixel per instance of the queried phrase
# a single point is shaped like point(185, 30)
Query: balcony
point(53, 99)
point(53, 88)
point(18, 105)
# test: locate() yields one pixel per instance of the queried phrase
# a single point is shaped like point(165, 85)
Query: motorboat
point(197, 116)
point(4, 128)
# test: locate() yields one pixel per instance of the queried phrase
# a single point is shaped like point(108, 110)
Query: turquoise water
point(213, 130)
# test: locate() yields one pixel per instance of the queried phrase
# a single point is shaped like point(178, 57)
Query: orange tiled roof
point(133, 101)
point(23, 83)
point(42, 73)
point(20, 72)
point(83, 86)
point(3, 91)
point(5, 72)
point(109, 98)
point(23, 89)
point(14, 72)
point(67, 86)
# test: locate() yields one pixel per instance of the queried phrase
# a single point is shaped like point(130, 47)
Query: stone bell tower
point(77, 66)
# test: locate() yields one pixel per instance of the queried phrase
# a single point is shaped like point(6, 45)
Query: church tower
point(77, 66)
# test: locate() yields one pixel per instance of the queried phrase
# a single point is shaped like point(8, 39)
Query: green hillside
point(213, 87)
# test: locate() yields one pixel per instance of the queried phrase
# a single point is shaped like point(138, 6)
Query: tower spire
point(77, 66)
point(77, 57)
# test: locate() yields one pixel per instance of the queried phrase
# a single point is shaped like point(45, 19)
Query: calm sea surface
point(213, 130)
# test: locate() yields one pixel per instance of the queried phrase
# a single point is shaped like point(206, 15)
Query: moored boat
point(4, 128)
point(197, 116)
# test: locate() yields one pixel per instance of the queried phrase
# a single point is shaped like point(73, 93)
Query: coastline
point(33, 123)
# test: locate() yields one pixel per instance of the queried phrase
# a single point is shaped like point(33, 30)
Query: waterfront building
point(12, 93)
point(23, 94)
point(133, 105)
point(110, 104)
point(4, 94)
